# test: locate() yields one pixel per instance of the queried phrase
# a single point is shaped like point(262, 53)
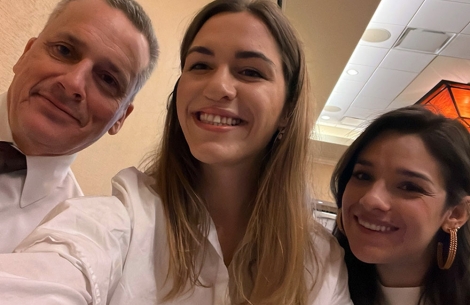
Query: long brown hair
point(279, 230)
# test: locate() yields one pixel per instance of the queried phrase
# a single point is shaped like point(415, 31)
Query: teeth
point(373, 227)
point(218, 120)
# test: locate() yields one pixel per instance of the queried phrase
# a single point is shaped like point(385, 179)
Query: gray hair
point(136, 14)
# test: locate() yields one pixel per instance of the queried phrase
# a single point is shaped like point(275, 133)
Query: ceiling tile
point(398, 104)
point(406, 60)
point(387, 83)
point(370, 103)
point(442, 67)
point(443, 16)
point(462, 1)
point(341, 100)
point(363, 113)
point(348, 87)
point(396, 12)
point(466, 30)
point(459, 47)
point(368, 56)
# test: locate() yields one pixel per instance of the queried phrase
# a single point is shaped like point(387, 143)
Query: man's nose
point(74, 80)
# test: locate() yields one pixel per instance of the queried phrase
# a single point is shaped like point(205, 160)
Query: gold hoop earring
point(339, 221)
point(452, 250)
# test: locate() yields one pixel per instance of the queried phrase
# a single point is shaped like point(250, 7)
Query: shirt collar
point(44, 173)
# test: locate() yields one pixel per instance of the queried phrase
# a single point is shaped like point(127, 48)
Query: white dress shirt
point(27, 196)
point(144, 274)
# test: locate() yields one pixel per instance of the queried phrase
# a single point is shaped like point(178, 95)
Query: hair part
point(278, 232)
point(448, 141)
point(139, 18)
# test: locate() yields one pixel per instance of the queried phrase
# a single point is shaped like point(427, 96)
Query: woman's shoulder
point(326, 246)
point(331, 282)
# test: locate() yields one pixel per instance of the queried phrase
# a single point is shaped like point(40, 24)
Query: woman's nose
point(376, 197)
point(221, 85)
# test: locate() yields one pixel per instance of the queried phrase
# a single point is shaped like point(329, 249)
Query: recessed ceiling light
point(325, 117)
point(352, 72)
point(330, 108)
point(376, 35)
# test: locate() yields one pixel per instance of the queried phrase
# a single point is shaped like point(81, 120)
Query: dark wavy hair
point(448, 141)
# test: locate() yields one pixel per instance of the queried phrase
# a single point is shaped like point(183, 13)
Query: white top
point(26, 196)
point(145, 268)
point(400, 295)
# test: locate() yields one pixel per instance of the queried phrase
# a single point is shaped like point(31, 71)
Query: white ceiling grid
point(391, 76)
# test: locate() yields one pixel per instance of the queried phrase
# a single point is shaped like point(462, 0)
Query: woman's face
point(232, 90)
point(394, 203)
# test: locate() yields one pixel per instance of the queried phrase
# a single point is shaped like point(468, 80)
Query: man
point(73, 83)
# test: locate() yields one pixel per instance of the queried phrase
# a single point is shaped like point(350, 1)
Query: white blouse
point(400, 295)
point(129, 265)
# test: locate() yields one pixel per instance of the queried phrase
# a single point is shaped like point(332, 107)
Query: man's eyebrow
point(72, 39)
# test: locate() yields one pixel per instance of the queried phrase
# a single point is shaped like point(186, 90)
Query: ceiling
point(424, 41)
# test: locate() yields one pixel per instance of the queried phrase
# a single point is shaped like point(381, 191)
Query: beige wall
point(22, 19)
point(322, 175)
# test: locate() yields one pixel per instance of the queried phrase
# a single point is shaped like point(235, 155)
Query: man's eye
point(109, 80)
point(62, 50)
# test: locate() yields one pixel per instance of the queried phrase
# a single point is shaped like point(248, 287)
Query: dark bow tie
point(10, 158)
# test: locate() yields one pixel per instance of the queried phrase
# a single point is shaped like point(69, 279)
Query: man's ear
point(457, 215)
point(117, 126)
point(27, 47)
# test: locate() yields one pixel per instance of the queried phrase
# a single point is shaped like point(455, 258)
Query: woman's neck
point(408, 274)
point(229, 193)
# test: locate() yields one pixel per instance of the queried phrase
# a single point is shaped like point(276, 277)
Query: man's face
point(74, 82)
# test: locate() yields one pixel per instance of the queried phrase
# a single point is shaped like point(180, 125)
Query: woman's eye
point(199, 66)
point(251, 73)
point(361, 175)
point(411, 187)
